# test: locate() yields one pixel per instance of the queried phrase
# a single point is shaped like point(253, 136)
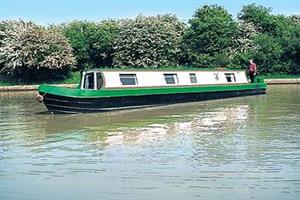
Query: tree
point(210, 36)
point(269, 54)
point(277, 40)
point(149, 42)
point(291, 49)
point(32, 52)
point(101, 40)
point(257, 15)
point(76, 33)
point(92, 43)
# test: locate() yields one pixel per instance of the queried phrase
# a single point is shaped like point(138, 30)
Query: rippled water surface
point(241, 148)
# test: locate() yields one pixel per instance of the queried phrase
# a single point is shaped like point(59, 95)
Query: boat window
point(171, 78)
point(99, 81)
point(128, 79)
point(230, 77)
point(89, 81)
point(193, 78)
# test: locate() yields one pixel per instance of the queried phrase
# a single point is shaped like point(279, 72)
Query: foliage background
point(211, 34)
point(149, 42)
point(212, 38)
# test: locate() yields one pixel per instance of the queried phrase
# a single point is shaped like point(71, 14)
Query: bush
point(92, 43)
point(243, 47)
point(149, 42)
point(268, 54)
point(277, 40)
point(259, 16)
point(210, 36)
point(29, 51)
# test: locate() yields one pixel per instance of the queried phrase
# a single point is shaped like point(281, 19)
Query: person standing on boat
point(252, 70)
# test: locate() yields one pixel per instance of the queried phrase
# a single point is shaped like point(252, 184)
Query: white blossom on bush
point(244, 41)
point(26, 47)
point(149, 42)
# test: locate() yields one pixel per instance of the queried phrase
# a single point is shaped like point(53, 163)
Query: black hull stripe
point(54, 109)
point(101, 109)
point(66, 101)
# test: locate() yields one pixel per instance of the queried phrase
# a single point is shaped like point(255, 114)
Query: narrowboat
point(106, 90)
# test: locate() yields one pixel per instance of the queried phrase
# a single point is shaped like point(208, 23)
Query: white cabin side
point(97, 79)
point(113, 79)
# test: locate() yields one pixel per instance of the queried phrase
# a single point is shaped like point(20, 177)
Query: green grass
point(72, 79)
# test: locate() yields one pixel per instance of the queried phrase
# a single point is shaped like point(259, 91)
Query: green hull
point(123, 92)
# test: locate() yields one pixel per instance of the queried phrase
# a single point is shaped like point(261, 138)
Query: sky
point(58, 11)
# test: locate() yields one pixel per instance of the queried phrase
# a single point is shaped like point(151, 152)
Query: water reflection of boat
point(106, 90)
point(220, 121)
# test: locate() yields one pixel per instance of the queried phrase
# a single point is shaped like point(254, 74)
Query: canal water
point(240, 148)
